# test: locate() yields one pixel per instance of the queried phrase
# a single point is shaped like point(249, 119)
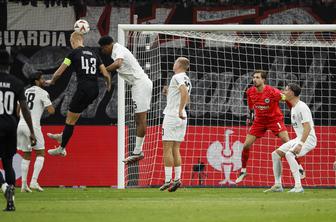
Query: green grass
point(189, 204)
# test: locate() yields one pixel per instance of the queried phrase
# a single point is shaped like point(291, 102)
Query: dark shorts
point(83, 97)
point(7, 141)
point(258, 129)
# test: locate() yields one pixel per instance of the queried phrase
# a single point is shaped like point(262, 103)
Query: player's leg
point(168, 160)
point(141, 125)
point(277, 166)
point(294, 166)
point(38, 165)
point(23, 143)
point(141, 96)
point(24, 171)
point(283, 135)
point(70, 123)
point(39, 161)
point(177, 167)
point(249, 140)
point(7, 163)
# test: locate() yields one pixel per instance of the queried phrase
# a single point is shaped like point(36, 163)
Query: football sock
point(245, 157)
point(37, 168)
point(177, 171)
point(67, 133)
point(138, 144)
point(9, 170)
point(24, 170)
point(168, 174)
point(277, 168)
point(294, 166)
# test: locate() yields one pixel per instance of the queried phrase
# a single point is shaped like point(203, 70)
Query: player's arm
point(165, 90)
point(18, 110)
point(184, 99)
point(27, 117)
point(107, 76)
point(306, 131)
point(59, 72)
point(250, 114)
point(115, 65)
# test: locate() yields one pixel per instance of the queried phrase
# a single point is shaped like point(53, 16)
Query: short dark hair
point(5, 59)
point(295, 88)
point(263, 73)
point(35, 76)
point(105, 40)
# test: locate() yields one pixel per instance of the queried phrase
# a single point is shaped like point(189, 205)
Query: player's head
point(292, 90)
point(5, 61)
point(76, 40)
point(181, 65)
point(259, 78)
point(37, 79)
point(106, 44)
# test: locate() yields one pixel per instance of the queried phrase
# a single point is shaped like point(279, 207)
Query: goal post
point(223, 58)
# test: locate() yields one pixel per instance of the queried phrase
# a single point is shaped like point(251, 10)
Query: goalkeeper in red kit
point(264, 114)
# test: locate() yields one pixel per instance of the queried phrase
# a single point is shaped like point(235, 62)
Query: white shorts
point(142, 95)
point(173, 128)
point(307, 146)
point(23, 139)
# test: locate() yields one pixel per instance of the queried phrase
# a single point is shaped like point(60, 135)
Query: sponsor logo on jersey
point(267, 100)
point(261, 107)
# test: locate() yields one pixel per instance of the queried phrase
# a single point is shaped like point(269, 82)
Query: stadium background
point(42, 43)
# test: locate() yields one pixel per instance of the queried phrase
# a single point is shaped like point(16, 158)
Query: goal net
point(223, 59)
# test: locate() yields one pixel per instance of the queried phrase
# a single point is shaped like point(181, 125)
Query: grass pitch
point(187, 204)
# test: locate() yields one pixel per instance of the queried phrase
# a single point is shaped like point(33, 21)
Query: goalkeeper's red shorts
point(258, 129)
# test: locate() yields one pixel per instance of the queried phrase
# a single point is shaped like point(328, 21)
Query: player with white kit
point(130, 70)
point(305, 141)
point(37, 101)
point(175, 123)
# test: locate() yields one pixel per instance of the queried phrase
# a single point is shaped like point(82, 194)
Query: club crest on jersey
point(267, 100)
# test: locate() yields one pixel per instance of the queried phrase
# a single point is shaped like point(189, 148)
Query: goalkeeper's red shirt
point(265, 104)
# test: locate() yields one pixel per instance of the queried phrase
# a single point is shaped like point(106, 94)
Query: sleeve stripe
point(67, 61)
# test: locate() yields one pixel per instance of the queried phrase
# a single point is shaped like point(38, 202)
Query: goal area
point(222, 61)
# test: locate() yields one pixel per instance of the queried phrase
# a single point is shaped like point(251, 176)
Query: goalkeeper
point(264, 114)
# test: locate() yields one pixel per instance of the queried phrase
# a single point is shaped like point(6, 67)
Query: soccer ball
point(81, 26)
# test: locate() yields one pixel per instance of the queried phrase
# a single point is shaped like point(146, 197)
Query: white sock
point(243, 170)
point(277, 168)
point(138, 144)
point(177, 171)
point(294, 166)
point(168, 173)
point(37, 168)
point(4, 187)
point(24, 170)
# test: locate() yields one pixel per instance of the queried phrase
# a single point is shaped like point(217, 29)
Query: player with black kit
point(87, 65)
point(11, 92)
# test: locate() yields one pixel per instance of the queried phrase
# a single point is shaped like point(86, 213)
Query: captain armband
point(67, 61)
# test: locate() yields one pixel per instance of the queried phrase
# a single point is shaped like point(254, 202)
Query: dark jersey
point(11, 91)
point(85, 62)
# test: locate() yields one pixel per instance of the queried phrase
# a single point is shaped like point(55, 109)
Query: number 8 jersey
point(37, 100)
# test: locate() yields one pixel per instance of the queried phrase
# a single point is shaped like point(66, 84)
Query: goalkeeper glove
point(250, 117)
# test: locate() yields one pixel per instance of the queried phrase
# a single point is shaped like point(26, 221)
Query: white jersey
point(300, 113)
point(174, 95)
point(37, 100)
point(130, 69)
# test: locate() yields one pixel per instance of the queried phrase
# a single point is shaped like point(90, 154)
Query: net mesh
point(221, 67)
